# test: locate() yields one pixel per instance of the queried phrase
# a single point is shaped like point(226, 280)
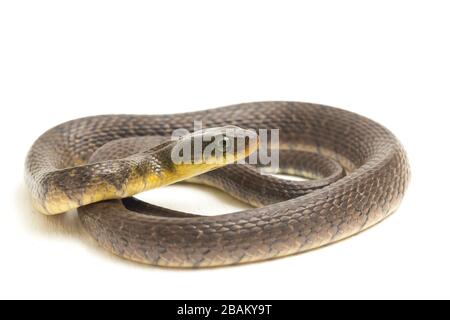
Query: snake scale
point(360, 173)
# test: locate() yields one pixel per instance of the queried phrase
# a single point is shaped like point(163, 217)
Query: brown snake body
point(366, 185)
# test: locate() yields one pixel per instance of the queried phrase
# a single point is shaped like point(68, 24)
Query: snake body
point(95, 164)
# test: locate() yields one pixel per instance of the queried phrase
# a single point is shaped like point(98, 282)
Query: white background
point(388, 60)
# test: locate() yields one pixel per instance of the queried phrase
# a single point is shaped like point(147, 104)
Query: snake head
point(214, 147)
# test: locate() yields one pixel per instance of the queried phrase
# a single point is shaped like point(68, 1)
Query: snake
point(357, 174)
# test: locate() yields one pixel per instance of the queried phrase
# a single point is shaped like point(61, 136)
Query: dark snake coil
point(298, 217)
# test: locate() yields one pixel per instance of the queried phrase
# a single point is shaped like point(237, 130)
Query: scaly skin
point(59, 176)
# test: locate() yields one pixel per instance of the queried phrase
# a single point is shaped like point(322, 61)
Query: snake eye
point(223, 143)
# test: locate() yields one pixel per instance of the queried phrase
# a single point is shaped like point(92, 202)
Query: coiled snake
point(95, 164)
